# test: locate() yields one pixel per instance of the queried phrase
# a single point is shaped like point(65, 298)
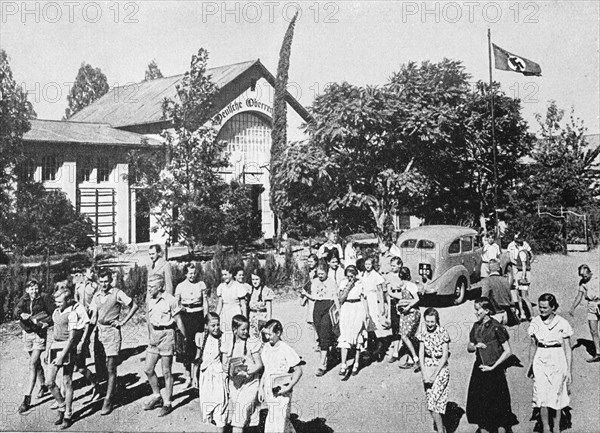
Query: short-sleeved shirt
point(490, 251)
point(85, 292)
point(232, 292)
point(591, 290)
point(497, 289)
point(551, 334)
point(337, 275)
point(513, 250)
point(434, 342)
point(279, 359)
point(108, 313)
point(324, 290)
point(493, 335)
point(190, 293)
point(327, 247)
point(355, 292)
point(163, 309)
point(267, 296)
point(77, 319)
point(371, 280)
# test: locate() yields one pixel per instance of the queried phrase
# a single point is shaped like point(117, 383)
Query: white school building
point(86, 157)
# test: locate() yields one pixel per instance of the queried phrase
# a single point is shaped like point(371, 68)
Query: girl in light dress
point(245, 366)
point(550, 362)
point(312, 261)
point(231, 300)
point(212, 383)
point(375, 292)
point(282, 372)
point(352, 319)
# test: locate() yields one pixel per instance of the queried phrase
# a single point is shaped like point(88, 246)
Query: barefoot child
point(212, 383)
point(69, 319)
point(106, 309)
point(163, 316)
point(34, 310)
point(244, 369)
point(282, 373)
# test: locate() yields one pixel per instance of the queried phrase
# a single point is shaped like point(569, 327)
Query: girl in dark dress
point(488, 399)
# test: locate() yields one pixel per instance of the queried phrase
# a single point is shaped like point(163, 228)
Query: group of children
point(235, 376)
point(76, 311)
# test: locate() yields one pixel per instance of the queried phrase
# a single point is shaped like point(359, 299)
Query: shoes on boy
point(25, 406)
point(43, 391)
point(61, 418)
point(165, 410)
point(67, 422)
point(154, 403)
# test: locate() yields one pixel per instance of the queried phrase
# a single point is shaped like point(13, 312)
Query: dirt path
point(382, 398)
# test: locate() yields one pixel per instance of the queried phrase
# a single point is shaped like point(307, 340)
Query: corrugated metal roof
point(140, 103)
point(83, 133)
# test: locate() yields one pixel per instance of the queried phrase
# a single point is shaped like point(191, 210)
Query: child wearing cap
point(163, 316)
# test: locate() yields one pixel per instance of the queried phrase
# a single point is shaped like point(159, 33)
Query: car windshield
point(424, 244)
point(409, 243)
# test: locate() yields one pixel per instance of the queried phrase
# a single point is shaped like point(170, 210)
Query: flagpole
point(493, 130)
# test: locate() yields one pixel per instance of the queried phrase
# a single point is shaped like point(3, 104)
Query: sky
point(363, 43)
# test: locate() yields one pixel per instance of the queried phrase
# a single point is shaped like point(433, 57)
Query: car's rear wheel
point(460, 290)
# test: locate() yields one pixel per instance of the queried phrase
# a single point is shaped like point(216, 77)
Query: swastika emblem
point(516, 64)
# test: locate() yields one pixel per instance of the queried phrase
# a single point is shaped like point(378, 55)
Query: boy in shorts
point(34, 310)
point(106, 310)
point(163, 316)
point(70, 320)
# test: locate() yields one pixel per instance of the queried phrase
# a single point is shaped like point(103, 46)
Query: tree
point(279, 132)
point(152, 73)
point(561, 173)
point(44, 221)
point(90, 84)
point(188, 193)
point(411, 146)
point(15, 113)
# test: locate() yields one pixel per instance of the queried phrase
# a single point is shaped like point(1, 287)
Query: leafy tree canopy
point(153, 72)
point(90, 84)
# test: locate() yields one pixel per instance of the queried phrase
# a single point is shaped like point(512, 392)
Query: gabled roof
point(140, 103)
point(55, 131)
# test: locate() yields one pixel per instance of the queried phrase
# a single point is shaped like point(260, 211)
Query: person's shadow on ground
point(316, 425)
point(587, 344)
point(452, 417)
point(124, 395)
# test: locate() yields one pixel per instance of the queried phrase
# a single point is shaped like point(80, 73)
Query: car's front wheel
point(460, 290)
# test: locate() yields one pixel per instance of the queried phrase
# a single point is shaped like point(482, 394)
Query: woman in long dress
point(488, 398)
point(550, 358)
point(433, 354)
point(374, 285)
point(352, 318)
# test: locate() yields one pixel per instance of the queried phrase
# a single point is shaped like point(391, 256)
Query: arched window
point(248, 133)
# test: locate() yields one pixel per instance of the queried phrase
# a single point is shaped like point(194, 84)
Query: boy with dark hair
point(106, 310)
point(34, 311)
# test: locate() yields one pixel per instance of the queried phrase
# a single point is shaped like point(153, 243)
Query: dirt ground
point(381, 398)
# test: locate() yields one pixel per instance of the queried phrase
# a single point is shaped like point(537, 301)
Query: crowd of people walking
point(368, 311)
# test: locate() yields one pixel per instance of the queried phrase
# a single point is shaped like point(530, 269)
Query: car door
point(467, 252)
